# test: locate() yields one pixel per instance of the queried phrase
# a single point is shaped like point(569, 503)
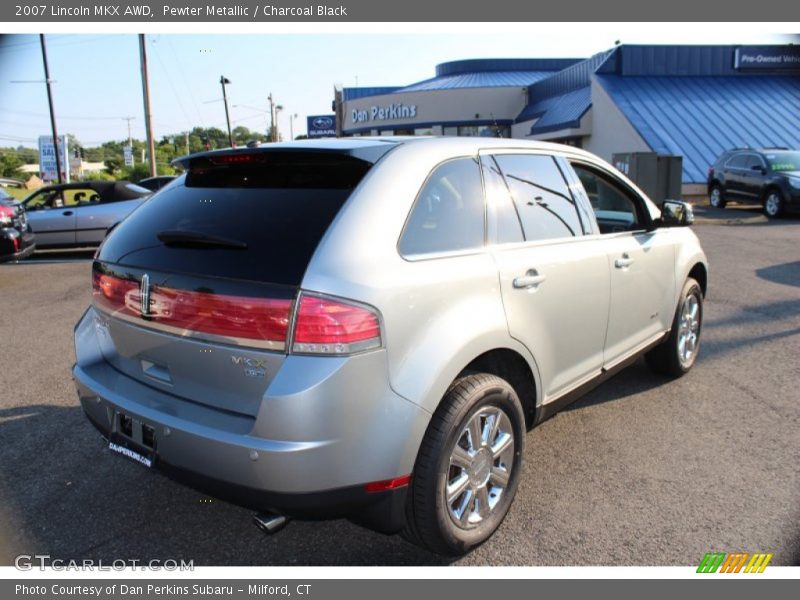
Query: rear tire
point(716, 198)
point(677, 354)
point(468, 466)
point(773, 204)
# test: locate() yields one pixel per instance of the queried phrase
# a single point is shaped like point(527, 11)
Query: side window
point(80, 196)
point(614, 208)
point(448, 214)
point(541, 196)
point(754, 161)
point(506, 226)
point(737, 162)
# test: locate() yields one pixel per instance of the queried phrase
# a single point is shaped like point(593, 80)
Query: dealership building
point(689, 101)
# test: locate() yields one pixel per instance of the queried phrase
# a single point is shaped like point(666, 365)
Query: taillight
point(262, 320)
point(16, 244)
point(326, 326)
point(321, 325)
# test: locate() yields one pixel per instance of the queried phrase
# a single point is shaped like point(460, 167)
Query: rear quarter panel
point(437, 314)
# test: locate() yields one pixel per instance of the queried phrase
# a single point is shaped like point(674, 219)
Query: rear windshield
point(274, 210)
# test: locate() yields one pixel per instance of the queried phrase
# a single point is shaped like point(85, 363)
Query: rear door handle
point(67, 213)
point(624, 262)
point(530, 280)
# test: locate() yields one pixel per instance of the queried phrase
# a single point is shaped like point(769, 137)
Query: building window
point(425, 131)
point(485, 131)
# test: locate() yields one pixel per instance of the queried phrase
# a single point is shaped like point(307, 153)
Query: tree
point(10, 164)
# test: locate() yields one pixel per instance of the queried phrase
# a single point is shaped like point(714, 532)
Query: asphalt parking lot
point(642, 471)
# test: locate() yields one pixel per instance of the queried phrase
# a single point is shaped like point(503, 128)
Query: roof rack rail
point(774, 148)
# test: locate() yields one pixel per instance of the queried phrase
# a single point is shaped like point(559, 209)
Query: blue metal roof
point(699, 117)
point(473, 80)
point(493, 65)
point(558, 112)
point(352, 93)
point(561, 100)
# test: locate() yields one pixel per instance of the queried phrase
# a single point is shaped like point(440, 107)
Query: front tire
point(773, 204)
point(678, 353)
point(468, 466)
point(716, 197)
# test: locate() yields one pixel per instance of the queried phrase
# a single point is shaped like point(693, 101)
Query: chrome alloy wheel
point(772, 206)
point(480, 467)
point(689, 330)
point(716, 197)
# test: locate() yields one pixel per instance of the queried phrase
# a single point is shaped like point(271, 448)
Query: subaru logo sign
point(323, 123)
point(321, 126)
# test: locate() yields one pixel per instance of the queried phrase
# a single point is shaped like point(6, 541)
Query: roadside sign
point(128, 152)
point(47, 158)
point(321, 126)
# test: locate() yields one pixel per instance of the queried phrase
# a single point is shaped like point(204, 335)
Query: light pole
point(278, 108)
point(223, 81)
point(292, 117)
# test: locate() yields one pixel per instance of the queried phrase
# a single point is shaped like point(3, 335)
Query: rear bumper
point(321, 434)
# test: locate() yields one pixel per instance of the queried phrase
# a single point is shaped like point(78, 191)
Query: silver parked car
point(79, 214)
point(368, 327)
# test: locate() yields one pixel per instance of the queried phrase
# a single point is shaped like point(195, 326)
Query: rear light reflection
point(246, 318)
point(322, 325)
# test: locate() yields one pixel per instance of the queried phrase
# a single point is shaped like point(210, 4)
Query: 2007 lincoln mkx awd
point(367, 328)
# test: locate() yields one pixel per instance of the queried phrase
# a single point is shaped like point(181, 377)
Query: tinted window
point(279, 208)
point(543, 201)
point(754, 161)
point(448, 214)
point(507, 226)
point(614, 209)
point(737, 162)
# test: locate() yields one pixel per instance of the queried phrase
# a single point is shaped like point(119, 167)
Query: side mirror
point(675, 213)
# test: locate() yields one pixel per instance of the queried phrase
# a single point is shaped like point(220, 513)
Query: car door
point(554, 278)
point(96, 217)
point(734, 176)
point(51, 218)
point(753, 177)
point(640, 260)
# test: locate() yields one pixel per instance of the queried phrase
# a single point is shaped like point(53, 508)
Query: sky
point(98, 82)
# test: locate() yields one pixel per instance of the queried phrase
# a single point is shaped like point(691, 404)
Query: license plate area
point(133, 439)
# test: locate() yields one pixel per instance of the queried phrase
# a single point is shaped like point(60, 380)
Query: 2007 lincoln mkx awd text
point(367, 328)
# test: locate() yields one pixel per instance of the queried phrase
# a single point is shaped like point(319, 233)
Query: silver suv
point(366, 328)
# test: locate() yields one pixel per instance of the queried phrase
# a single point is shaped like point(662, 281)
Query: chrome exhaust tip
point(270, 523)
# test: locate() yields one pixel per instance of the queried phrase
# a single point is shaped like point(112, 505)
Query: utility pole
point(271, 118)
point(130, 137)
point(52, 110)
point(292, 117)
point(223, 81)
point(148, 117)
point(186, 139)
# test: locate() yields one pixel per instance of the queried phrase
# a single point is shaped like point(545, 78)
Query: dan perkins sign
point(389, 112)
point(768, 58)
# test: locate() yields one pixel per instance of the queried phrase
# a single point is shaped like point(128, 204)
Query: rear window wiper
point(179, 237)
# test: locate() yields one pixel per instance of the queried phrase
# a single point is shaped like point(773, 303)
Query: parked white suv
point(368, 327)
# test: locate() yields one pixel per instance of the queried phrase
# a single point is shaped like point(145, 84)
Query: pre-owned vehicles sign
point(767, 58)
